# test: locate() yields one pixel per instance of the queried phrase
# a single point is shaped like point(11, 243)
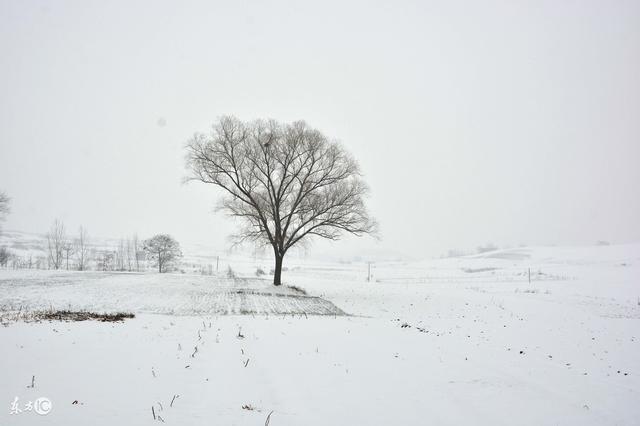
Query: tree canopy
point(285, 182)
point(162, 250)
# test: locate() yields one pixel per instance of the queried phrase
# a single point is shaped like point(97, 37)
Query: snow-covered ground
point(449, 341)
point(153, 293)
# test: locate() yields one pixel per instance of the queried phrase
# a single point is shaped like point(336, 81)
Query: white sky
point(497, 121)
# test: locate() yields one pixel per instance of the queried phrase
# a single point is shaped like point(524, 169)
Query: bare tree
point(4, 207)
point(120, 256)
point(67, 248)
point(56, 239)
point(105, 260)
point(163, 250)
point(82, 249)
point(285, 182)
point(136, 251)
point(41, 262)
point(5, 255)
point(130, 254)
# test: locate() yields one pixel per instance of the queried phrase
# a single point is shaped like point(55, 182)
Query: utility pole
point(217, 263)
point(369, 272)
point(529, 276)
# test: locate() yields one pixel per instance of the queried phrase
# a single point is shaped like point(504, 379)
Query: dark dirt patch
point(81, 316)
point(298, 290)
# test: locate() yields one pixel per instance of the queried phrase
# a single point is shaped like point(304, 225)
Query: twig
point(153, 412)
point(266, 422)
point(173, 399)
point(247, 362)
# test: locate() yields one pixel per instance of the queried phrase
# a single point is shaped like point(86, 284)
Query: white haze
point(509, 122)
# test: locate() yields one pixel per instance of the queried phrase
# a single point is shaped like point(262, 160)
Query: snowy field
point(153, 293)
point(449, 341)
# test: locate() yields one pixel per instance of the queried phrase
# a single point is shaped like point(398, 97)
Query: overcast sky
point(509, 122)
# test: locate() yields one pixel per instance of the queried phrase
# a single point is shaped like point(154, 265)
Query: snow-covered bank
point(153, 293)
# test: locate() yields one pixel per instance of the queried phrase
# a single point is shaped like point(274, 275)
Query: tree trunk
point(278, 271)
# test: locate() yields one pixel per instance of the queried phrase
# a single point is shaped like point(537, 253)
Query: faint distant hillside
point(23, 243)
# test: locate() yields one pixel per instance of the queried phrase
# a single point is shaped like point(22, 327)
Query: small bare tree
point(56, 240)
point(5, 255)
point(131, 249)
point(120, 256)
point(285, 182)
point(68, 249)
point(4, 207)
point(82, 249)
point(163, 251)
point(135, 247)
point(105, 260)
